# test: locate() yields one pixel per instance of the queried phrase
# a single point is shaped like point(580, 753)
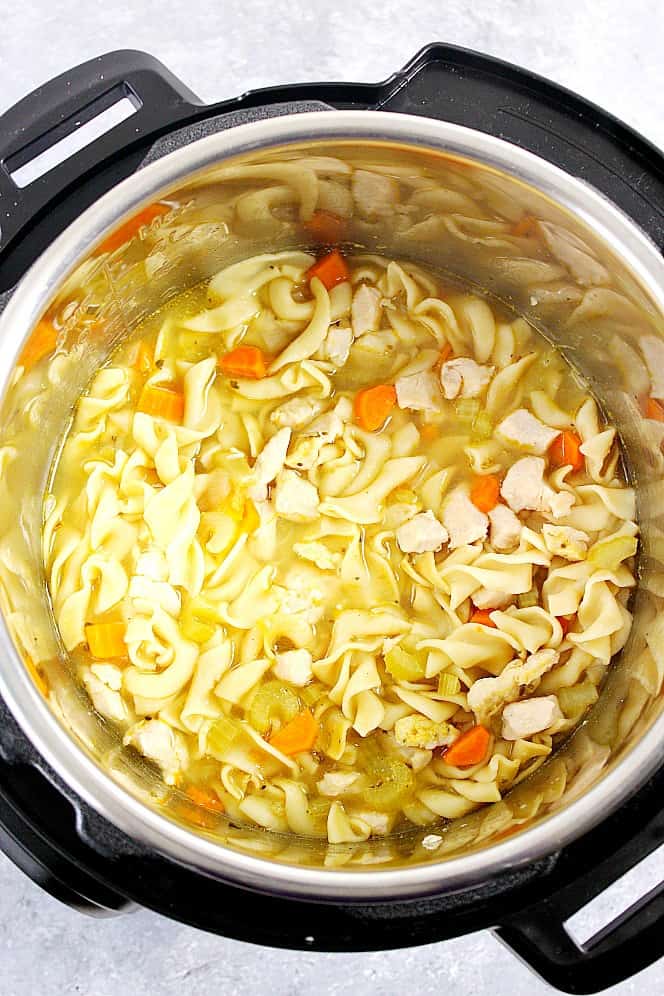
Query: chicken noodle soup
point(339, 548)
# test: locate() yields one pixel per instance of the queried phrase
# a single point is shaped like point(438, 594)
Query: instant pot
point(81, 818)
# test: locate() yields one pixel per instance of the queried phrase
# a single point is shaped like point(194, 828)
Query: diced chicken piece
point(524, 487)
point(463, 521)
point(160, 743)
point(530, 716)
point(109, 674)
point(419, 392)
point(336, 346)
point(304, 452)
point(328, 426)
point(334, 783)
point(365, 310)
point(295, 498)
point(344, 409)
point(374, 194)
point(653, 350)
point(296, 412)
point(380, 823)
point(487, 695)
point(485, 598)
point(505, 528)
point(269, 463)
point(318, 554)
point(106, 697)
point(422, 534)
point(418, 731)
point(464, 378)
point(432, 841)
point(524, 430)
point(294, 666)
point(563, 541)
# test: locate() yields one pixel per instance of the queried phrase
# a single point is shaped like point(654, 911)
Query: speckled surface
point(610, 52)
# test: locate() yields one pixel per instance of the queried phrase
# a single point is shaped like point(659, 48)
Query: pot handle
point(154, 98)
point(633, 940)
point(478, 91)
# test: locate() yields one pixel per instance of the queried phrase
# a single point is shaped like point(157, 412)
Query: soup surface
point(338, 546)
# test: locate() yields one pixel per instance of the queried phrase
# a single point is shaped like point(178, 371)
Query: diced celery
point(312, 693)
point(404, 496)
point(528, 598)
point(448, 684)
point(222, 734)
point(575, 700)
point(467, 409)
point(610, 553)
point(404, 666)
point(198, 620)
point(273, 701)
point(390, 781)
point(482, 426)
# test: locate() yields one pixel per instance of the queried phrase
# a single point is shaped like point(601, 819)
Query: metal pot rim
point(36, 719)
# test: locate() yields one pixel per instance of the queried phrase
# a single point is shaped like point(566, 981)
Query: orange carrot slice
point(42, 341)
point(244, 361)
point(298, 735)
point(132, 227)
point(106, 639)
point(372, 406)
point(162, 402)
point(208, 800)
point(483, 617)
point(331, 270)
point(654, 410)
point(566, 623)
point(429, 431)
point(326, 227)
point(470, 748)
point(565, 451)
point(485, 492)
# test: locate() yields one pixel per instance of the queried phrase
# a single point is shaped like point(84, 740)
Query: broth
point(340, 553)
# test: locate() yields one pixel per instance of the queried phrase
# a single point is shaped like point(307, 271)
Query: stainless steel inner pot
point(594, 285)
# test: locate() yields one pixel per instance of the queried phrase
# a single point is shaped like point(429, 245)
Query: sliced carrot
point(208, 800)
point(483, 617)
point(244, 361)
point(372, 406)
point(162, 402)
point(36, 675)
point(566, 623)
point(106, 639)
point(43, 340)
point(565, 451)
point(429, 431)
point(326, 227)
point(485, 492)
point(125, 233)
point(527, 227)
point(331, 270)
point(469, 749)
point(298, 735)
point(654, 410)
point(143, 359)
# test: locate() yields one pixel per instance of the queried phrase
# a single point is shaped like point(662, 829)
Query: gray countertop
point(609, 51)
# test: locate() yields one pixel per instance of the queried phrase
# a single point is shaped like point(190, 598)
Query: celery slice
point(273, 701)
point(404, 666)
